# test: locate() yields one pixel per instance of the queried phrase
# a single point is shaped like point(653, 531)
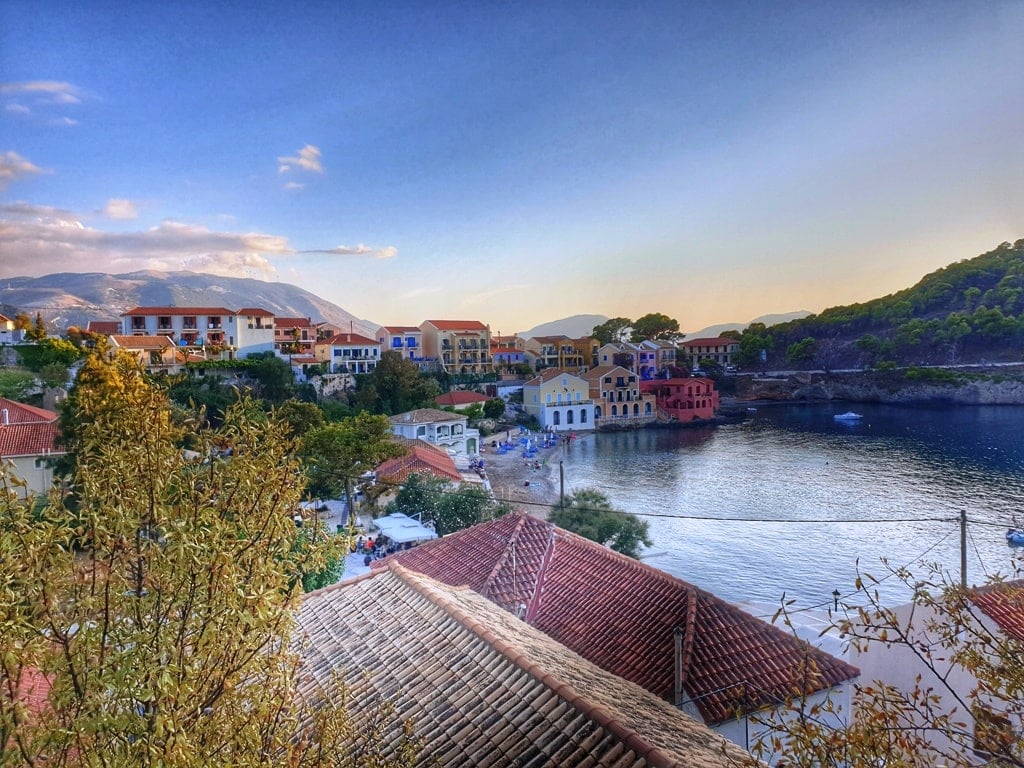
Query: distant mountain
point(69, 298)
point(713, 331)
point(574, 327)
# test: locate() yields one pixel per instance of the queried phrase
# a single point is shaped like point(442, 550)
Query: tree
point(47, 351)
point(494, 408)
point(300, 417)
point(273, 379)
point(22, 322)
point(966, 694)
point(451, 509)
point(589, 513)
point(655, 326)
point(334, 453)
point(16, 384)
point(801, 351)
point(396, 385)
point(160, 612)
point(616, 329)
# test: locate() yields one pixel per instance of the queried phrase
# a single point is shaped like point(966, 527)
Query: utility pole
point(963, 548)
point(561, 485)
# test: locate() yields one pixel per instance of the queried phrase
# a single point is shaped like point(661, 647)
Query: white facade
point(245, 332)
point(441, 428)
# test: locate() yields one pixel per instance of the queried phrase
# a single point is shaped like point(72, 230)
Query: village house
point(515, 341)
point(29, 441)
point(348, 353)
point(684, 399)
point(406, 340)
point(444, 429)
point(459, 346)
point(618, 397)
point(505, 359)
point(656, 357)
point(103, 328)
point(622, 353)
point(294, 335)
point(157, 354)
point(708, 658)
point(460, 399)
point(559, 352)
point(478, 686)
point(240, 333)
point(996, 616)
point(719, 350)
point(559, 400)
point(8, 333)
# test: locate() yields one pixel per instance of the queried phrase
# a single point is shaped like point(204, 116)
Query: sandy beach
point(516, 480)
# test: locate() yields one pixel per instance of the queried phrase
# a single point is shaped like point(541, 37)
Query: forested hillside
point(969, 312)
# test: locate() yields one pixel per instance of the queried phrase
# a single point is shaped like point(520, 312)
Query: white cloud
point(120, 209)
point(14, 167)
point(384, 252)
point(41, 96)
point(308, 159)
point(294, 185)
point(485, 296)
point(51, 91)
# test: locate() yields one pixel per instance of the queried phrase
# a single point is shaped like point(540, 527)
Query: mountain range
point(74, 298)
point(68, 298)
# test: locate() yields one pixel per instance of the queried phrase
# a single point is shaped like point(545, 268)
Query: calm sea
point(792, 502)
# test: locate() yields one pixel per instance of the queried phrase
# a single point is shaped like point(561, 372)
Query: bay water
point(791, 502)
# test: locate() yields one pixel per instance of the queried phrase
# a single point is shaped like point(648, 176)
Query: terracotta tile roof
point(458, 325)
point(103, 327)
point(293, 322)
point(1004, 604)
point(142, 342)
point(420, 458)
point(460, 397)
point(547, 375)
point(393, 329)
point(26, 430)
point(594, 375)
point(344, 339)
point(149, 311)
point(482, 688)
point(254, 312)
point(425, 416)
point(621, 614)
point(303, 360)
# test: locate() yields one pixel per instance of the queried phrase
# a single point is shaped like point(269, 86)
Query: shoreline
point(519, 484)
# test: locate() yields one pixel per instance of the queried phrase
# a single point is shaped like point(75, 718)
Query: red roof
point(104, 327)
point(293, 322)
point(1004, 604)
point(708, 342)
point(393, 329)
point(255, 312)
point(420, 458)
point(458, 325)
point(26, 430)
point(142, 342)
point(460, 397)
point(621, 615)
point(345, 339)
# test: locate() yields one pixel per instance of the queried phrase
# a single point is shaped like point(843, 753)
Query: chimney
point(677, 636)
point(6, 417)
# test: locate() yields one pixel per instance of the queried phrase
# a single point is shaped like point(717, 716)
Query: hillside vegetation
point(969, 312)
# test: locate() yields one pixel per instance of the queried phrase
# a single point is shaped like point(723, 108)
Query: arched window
point(615, 411)
point(583, 416)
point(647, 409)
point(597, 411)
point(636, 409)
point(557, 418)
point(568, 417)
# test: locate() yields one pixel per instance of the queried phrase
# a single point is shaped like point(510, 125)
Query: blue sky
point(515, 162)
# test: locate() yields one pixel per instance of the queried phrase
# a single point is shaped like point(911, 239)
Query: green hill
point(969, 312)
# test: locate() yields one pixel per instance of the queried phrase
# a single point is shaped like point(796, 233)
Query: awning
point(402, 529)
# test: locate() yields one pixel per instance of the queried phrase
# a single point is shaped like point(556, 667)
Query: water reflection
point(793, 502)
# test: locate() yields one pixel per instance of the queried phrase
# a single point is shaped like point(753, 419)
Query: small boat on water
point(1015, 537)
point(848, 416)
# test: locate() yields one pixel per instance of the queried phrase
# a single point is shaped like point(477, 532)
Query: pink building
point(684, 399)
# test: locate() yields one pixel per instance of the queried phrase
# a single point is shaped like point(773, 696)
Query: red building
point(683, 399)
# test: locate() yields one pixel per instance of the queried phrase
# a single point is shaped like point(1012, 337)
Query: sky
point(515, 163)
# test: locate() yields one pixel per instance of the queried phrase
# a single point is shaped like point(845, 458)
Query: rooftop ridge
point(506, 554)
point(598, 714)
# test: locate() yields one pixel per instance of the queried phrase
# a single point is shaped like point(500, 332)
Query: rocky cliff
point(996, 386)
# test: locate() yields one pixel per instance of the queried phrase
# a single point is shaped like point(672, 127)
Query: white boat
point(848, 416)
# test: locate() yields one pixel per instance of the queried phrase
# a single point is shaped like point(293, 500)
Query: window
point(583, 416)
point(568, 417)
point(556, 419)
